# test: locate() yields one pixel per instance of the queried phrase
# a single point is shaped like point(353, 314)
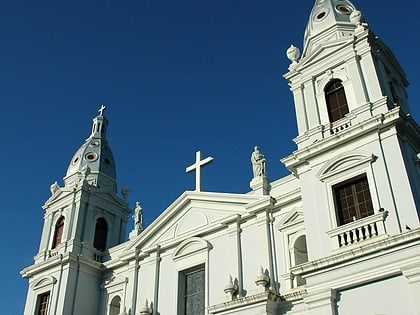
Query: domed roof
point(94, 160)
point(328, 20)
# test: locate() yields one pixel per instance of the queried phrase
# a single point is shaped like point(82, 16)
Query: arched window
point(114, 307)
point(101, 232)
point(58, 233)
point(300, 255)
point(336, 100)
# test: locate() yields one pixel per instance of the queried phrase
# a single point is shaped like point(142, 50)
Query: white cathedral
point(339, 235)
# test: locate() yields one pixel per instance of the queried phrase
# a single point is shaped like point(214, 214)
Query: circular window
point(91, 156)
point(345, 9)
point(94, 143)
point(107, 161)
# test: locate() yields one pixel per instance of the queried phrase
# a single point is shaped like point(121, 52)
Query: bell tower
point(82, 220)
point(357, 154)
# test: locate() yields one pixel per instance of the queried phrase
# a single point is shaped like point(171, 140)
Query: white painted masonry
point(281, 248)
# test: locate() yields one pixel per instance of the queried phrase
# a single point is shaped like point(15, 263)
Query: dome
point(94, 160)
point(329, 19)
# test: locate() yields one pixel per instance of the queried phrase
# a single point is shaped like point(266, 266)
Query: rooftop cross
point(197, 168)
point(101, 110)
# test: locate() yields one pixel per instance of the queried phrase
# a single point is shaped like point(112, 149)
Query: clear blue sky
point(177, 77)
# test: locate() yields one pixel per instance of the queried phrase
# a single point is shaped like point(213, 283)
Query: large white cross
point(197, 168)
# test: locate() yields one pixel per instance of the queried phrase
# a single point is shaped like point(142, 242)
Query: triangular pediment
point(61, 193)
point(113, 281)
point(292, 218)
point(57, 195)
point(191, 214)
point(323, 51)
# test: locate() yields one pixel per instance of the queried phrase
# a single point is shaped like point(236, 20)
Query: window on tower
point(58, 233)
point(353, 200)
point(192, 289)
point(101, 233)
point(336, 100)
point(43, 303)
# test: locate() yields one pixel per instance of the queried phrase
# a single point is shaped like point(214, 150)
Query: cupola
point(94, 161)
point(329, 19)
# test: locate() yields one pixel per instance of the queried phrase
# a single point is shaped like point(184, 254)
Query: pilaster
point(321, 302)
point(412, 273)
point(260, 185)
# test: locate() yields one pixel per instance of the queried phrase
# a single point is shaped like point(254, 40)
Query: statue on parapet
point(138, 218)
point(259, 166)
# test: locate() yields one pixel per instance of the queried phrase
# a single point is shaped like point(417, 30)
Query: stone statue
point(258, 163)
point(138, 218)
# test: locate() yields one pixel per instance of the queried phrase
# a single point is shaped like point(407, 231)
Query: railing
point(359, 230)
point(53, 252)
point(338, 126)
point(97, 257)
point(84, 251)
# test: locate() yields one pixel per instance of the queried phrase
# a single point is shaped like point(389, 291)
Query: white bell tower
point(81, 221)
point(357, 155)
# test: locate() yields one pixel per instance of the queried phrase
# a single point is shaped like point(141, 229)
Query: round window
point(345, 9)
point(91, 156)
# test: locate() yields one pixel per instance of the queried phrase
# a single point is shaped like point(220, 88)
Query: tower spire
point(100, 123)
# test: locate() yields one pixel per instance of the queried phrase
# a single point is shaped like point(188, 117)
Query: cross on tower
point(197, 168)
point(101, 110)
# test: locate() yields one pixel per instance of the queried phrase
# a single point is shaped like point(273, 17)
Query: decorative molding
point(190, 247)
point(43, 282)
point(343, 162)
point(292, 218)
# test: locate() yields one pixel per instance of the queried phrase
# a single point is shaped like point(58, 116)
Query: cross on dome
point(101, 110)
point(199, 163)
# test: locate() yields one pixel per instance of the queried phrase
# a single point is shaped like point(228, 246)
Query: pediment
point(190, 247)
point(43, 282)
point(343, 162)
point(113, 281)
point(322, 51)
point(191, 214)
point(292, 218)
point(56, 195)
point(61, 193)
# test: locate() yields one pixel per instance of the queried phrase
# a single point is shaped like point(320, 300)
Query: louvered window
point(336, 100)
point(58, 233)
point(101, 233)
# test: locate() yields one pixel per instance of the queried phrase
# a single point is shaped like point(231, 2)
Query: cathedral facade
point(340, 235)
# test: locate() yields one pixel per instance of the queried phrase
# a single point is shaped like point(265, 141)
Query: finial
point(54, 187)
point(101, 110)
point(262, 280)
point(125, 192)
point(293, 53)
point(146, 310)
point(230, 288)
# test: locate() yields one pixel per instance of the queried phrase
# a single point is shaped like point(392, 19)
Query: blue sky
point(177, 77)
